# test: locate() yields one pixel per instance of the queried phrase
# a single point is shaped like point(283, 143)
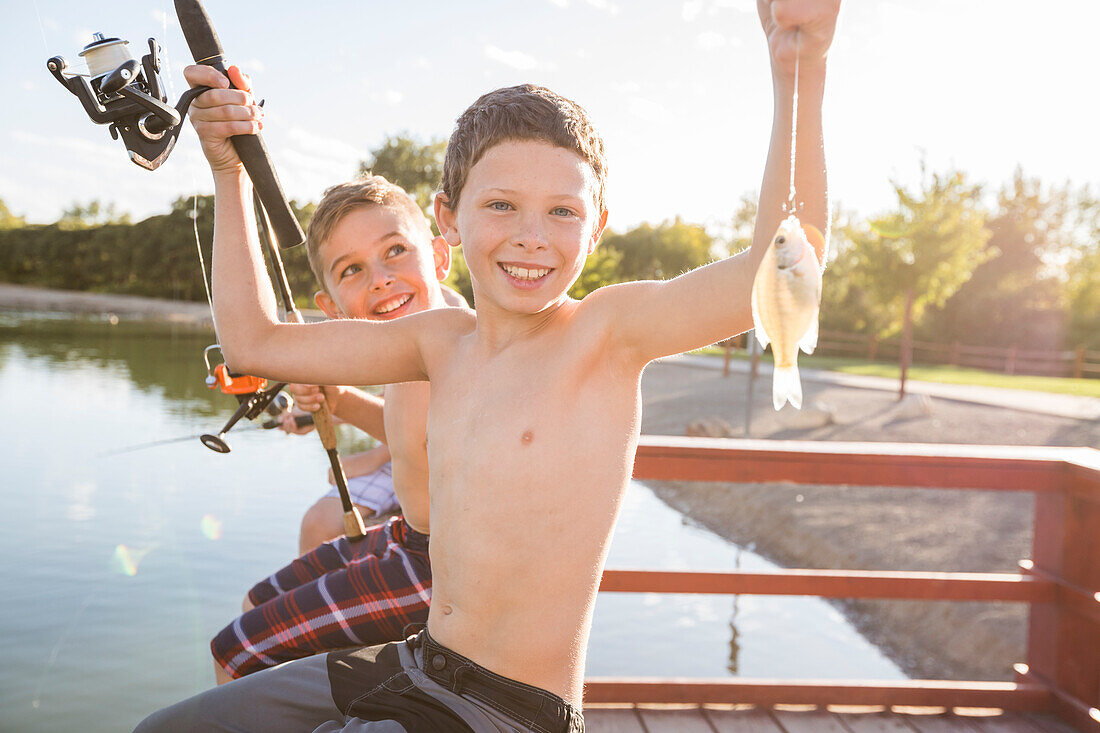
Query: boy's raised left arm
point(711, 303)
point(342, 351)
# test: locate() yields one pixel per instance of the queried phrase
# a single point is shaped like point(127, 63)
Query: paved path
point(1045, 403)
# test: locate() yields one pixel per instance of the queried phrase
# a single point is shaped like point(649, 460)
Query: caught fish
point(785, 297)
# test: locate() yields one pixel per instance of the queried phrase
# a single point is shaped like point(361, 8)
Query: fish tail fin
point(786, 387)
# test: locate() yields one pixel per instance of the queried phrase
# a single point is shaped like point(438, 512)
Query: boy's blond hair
point(342, 199)
point(525, 112)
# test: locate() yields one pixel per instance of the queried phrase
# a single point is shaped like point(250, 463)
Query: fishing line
point(57, 649)
point(168, 75)
point(791, 205)
point(41, 28)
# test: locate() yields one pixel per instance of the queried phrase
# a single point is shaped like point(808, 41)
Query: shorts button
point(438, 662)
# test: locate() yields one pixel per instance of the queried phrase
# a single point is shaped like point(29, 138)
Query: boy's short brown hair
point(525, 112)
point(343, 198)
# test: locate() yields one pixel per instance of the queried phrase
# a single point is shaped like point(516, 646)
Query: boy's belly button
point(447, 610)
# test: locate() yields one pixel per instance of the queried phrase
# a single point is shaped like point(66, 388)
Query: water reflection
point(735, 647)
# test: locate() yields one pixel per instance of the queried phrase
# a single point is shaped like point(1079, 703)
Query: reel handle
point(207, 49)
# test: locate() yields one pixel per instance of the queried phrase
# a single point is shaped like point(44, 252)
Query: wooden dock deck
point(810, 719)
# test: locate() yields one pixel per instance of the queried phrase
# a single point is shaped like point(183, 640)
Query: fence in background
point(1078, 363)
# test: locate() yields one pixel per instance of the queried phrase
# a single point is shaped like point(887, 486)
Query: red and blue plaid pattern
point(339, 595)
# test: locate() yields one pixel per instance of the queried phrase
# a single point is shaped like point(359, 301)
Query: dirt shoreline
point(867, 527)
point(805, 526)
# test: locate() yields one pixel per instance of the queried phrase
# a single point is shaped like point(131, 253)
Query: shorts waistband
point(406, 536)
point(541, 711)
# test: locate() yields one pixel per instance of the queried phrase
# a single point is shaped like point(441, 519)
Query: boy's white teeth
point(526, 273)
point(392, 305)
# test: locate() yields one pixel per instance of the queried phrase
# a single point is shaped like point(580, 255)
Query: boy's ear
point(447, 221)
point(441, 253)
point(598, 232)
point(325, 302)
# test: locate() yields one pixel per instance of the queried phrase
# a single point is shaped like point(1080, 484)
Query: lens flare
point(211, 527)
point(123, 561)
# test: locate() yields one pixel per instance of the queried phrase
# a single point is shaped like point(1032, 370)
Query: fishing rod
point(271, 423)
point(130, 97)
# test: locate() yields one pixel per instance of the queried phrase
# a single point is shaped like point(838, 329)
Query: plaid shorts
point(339, 595)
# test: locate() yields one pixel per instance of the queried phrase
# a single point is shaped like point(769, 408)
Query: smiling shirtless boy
point(371, 249)
point(521, 522)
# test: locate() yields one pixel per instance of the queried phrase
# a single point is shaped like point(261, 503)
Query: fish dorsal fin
point(757, 325)
point(809, 339)
point(817, 241)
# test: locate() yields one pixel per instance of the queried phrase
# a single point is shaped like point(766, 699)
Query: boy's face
point(526, 221)
point(380, 264)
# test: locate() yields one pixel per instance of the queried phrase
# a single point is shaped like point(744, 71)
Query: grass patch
point(937, 373)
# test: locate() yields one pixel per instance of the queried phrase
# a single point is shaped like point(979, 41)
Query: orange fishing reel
point(253, 394)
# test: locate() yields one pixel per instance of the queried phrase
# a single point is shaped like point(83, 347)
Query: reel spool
point(128, 96)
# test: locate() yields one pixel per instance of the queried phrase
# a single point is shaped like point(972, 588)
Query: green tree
point(918, 255)
point(1083, 274)
point(1015, 295)
point(9, 220)
point(94, 213)
point(415, 166)
point(659, 252)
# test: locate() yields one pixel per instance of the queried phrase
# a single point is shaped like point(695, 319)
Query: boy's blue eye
point(562, 211)
point(396, 250)
point(500, 205)
point(349, 270)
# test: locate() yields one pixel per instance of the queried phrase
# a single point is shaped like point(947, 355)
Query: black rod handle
point(207, 49)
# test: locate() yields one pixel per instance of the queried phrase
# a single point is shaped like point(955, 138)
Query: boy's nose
point(382, 279)
point(532, 236)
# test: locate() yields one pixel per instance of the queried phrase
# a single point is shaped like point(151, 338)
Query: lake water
point(119, 567)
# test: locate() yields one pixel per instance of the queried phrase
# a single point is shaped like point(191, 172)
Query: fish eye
point(780, 239)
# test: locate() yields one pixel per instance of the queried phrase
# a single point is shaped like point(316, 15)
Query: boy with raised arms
point(373, 253)
point(521, 522)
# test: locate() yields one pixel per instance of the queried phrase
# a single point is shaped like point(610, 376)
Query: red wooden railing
point(1060, 582)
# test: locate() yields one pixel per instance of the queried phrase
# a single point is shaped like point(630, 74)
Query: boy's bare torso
point(531, 446)
point(406, 418)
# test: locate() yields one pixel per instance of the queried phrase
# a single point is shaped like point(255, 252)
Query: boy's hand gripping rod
point(286, 232)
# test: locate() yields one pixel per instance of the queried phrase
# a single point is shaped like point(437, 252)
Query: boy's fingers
point(219, 97)
point(238, 78)
point(228, 113)
point(215, 130)
point(202, 75)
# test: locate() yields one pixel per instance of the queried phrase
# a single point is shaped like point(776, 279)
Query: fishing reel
point(129, 96)
point(253, 395)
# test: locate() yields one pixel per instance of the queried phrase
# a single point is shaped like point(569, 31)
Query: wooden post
point(726, 359)
point(1063, 643)
point(872, 347)
point(953, 360)
point(1010, 360)
point(906, 343)
point(1079, 363)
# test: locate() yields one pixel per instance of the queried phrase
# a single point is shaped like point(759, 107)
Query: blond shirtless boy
point(521, 520)
point(373, 253)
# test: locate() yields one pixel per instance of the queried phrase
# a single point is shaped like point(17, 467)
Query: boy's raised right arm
point(253, 339)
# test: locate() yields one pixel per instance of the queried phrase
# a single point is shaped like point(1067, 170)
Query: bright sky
point(680, 91)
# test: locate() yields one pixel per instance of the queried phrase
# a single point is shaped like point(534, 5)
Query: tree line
point(941, 265)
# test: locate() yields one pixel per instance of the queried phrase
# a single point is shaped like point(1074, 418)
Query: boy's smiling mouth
point(525, 274)
point(392, 304)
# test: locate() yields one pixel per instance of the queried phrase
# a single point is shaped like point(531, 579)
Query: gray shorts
point(412, 686)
